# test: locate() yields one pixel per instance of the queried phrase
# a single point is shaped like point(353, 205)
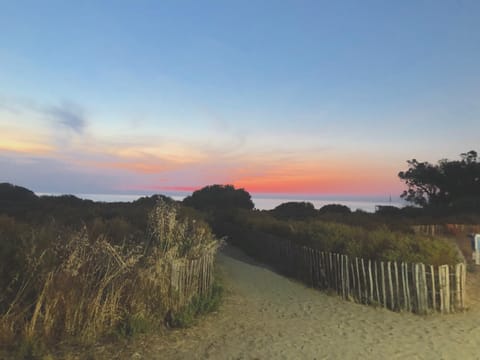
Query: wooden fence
point(191, 277)
point(397, 286)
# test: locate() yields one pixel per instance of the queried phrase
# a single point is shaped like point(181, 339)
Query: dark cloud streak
point(69, 115)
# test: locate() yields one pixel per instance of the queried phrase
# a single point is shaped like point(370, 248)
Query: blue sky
point(274, 96)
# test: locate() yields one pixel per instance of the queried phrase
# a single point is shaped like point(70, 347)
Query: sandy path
point(266, 316)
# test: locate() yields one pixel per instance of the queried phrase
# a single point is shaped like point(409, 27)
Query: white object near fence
point(476, 257)
point(476, 242)
point(476, 248)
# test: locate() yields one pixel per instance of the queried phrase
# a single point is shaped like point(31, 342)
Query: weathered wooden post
point(444, 285)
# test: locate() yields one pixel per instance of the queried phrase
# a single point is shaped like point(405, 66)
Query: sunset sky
point(291, 97)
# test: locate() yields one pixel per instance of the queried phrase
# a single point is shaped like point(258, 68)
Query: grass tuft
point(199, 305)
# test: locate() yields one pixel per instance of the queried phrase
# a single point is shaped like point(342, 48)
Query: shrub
point(219, 197)
point(335, 209)
point(294, 210)
point(198, 306)
point(379, 243)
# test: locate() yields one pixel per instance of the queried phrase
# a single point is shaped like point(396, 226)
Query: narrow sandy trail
point(267, 316)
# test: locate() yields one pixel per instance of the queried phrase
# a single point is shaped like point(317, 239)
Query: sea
point(268, 202)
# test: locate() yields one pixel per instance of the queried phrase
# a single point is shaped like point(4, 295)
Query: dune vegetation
point(103, 279)
point(377, 243)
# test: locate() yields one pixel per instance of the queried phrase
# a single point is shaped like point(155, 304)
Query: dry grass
point(80, 289)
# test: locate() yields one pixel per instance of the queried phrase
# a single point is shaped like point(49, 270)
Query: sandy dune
point(266, 316)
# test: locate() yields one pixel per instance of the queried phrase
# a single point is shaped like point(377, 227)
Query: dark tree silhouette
point(454, 184)
point(387, 210)
point(334, 209)
point(219, 198)
point(294, 210)
point(15, 193)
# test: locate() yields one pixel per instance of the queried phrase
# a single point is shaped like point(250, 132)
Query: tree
point(13, 193)
point(219, 198)
point(294, 210)
point(334, 209)
point(454, 184)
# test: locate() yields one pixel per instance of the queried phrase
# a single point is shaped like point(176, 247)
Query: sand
point(267, 316)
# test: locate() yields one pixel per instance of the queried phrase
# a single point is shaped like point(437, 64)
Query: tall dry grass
point(78, 288)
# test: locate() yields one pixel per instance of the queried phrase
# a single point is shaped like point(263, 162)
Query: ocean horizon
point(265, 201)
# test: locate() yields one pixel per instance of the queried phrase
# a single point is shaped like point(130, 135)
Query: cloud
point(68, 115)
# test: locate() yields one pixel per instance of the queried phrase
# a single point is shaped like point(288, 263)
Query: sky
point(277, 97)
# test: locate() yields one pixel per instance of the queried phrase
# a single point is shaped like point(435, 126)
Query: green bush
point(132, 325)
point(198, 306)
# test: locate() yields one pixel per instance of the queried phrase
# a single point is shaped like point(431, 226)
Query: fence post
point(397, 285)
point(384, 297)
point(330, 275)
point(342, 275)
point(460, 289)
point(421, 287)
point(434, 292)
point(377, 290)
point(354, 285)
point(173, 282)
point(347, 277)
point(338, 271)
point(404, 286)
point(463, 282)
point(313, 268)
point(390, 285)
point(365, 287)
point(370, 279)
point(444, 284)
point(358, 281)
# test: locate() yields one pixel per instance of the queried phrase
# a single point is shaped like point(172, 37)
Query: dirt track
point(266, 316)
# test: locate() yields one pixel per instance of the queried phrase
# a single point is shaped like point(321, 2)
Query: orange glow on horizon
point(278, 181)
point(311, 179)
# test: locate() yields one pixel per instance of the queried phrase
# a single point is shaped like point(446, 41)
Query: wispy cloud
point(68, 115)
